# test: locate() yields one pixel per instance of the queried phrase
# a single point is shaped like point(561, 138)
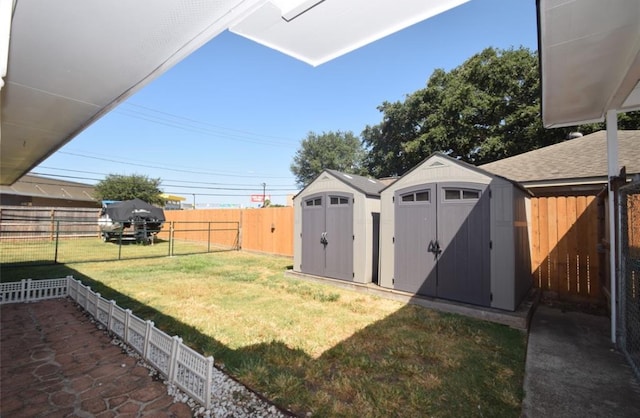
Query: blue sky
point(231, 116)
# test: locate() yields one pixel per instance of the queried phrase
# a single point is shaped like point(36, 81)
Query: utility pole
point(264, 190)
point(194, 200)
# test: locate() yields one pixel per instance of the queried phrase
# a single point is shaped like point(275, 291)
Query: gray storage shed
point(336, 225)
point(450, 230)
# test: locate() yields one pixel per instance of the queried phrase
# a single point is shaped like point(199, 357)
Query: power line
point(56, 176)
point(192, 125)
point(195, 121)
point(111, 160)
point(168, 191)
point(235, 195)
point(171, 180)
point(255, 188)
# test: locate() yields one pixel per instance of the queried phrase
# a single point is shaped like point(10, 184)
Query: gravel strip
point(228, 397)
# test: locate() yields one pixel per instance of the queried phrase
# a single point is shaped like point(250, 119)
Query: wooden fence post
point(240, 229)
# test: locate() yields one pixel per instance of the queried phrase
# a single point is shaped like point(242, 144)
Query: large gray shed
point(450, 230)
point(336, 221)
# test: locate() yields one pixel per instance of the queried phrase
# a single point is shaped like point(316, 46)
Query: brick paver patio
point(55, 362)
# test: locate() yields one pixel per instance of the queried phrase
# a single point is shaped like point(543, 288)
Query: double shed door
point(442, 241)
point(327, 235)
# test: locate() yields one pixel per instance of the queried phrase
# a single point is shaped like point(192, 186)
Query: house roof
point(36, 186)
point(366, 185)
point(580, 159)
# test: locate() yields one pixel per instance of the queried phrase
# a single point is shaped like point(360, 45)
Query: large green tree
point(121, 187)
point(340, 151)
point(486, 109)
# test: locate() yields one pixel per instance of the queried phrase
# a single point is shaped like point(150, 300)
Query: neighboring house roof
point(35, 186)
point(173, 197)
point(389, 180)
point(366, 185)
point(580, 160)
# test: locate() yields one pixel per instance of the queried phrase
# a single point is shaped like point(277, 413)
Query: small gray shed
point(450, 230)
point(336, 224)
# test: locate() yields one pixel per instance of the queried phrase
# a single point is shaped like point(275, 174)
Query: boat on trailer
point(130, 219)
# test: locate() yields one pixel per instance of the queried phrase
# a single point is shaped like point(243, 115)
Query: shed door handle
point(434, 247)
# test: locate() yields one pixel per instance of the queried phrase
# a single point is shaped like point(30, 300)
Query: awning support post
point(613, 171)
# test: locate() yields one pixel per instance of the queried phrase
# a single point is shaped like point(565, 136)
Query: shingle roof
point(30, 185)
point(368, 186)
point(580, 158)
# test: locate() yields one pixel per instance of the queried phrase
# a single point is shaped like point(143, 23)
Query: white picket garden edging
point(180, 365)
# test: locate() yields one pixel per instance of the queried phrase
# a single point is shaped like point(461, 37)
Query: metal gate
point(630, 273)
point(442, 241)
point(327, 235)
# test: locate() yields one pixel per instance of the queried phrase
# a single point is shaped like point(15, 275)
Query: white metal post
point(613, 170)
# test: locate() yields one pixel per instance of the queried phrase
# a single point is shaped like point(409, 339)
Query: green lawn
point(81, 249)
point(313, 348)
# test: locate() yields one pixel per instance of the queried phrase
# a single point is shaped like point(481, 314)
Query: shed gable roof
point(579, 158)
point(432, 160)
point(366, 185)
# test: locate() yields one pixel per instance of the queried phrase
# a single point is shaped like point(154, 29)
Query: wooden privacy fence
point(22, 221)
point(29, 213)
point(267, 230)
point(567, 237)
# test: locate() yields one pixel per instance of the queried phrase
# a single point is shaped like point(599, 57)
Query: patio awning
point(590, 59)
point(316, 31)
point(68, 62)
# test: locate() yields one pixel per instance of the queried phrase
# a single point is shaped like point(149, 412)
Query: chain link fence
point(52, 241)
point(630, 273)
